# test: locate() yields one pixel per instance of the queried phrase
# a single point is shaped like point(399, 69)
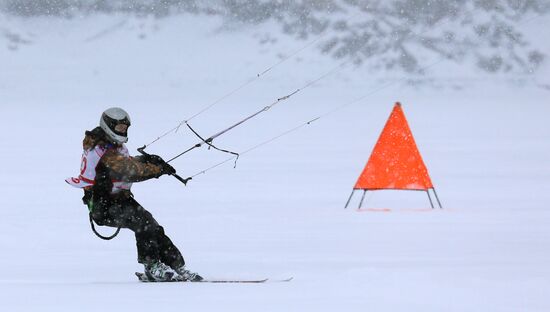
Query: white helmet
point(110, 119)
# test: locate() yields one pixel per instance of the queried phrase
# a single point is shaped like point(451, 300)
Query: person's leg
point(152, 243)
point(169, 253)
point(126, 213)
point(155, 238)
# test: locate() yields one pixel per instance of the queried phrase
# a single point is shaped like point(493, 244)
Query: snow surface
point(280, 213)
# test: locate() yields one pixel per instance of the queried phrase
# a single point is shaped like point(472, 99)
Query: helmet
point(111, 121)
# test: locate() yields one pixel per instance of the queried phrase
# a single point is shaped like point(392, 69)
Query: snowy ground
point(280, 212)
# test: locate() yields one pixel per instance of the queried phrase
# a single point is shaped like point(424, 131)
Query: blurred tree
point(404, 34)
point(390, 34)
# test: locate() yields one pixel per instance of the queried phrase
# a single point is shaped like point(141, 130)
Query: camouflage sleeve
point(129, 169)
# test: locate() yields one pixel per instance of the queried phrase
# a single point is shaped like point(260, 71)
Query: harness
point(95, 181)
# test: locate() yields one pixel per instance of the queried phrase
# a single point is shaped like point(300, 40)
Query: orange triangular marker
point(395, 162)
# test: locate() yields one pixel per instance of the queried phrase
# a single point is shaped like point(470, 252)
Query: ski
point(281, 280)
point(143, 278)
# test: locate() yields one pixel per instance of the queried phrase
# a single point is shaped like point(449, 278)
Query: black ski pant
point(125, 212)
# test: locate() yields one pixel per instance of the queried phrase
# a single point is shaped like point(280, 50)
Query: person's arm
point(129, 169)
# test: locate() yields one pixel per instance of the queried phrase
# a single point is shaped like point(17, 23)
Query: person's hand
point(154, 159)
point(168, 169)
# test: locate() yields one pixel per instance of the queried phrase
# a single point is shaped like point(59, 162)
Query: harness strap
point(99, 235)
point(87, 199)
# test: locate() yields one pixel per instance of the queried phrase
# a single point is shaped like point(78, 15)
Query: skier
point(106, 175)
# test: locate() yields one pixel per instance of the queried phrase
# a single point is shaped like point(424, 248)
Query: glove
point(154, 159)
point(168, 169)
point(158, 161)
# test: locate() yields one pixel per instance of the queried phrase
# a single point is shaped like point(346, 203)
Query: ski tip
point(283, 280)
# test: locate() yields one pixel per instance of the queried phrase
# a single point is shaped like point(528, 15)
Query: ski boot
point(186, 275)
point(157, 271)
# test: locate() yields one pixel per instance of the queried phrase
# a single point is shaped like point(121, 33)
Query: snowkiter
point(106, 176)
